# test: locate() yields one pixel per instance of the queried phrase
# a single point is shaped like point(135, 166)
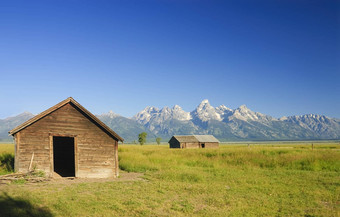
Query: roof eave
point(39, 116)
point(59, 105)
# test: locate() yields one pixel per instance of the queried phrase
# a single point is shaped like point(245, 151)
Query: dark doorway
point(203, 145)
point(63, 156)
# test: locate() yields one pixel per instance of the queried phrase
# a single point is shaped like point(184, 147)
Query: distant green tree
point(142, 138)
point(134, 142)
point(158, 140)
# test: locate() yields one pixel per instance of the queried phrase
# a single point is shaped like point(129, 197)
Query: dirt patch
point(29, 179)
point(123, 177)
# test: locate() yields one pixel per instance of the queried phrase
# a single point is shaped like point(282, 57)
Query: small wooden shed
point(194, 141)
point(68, 140)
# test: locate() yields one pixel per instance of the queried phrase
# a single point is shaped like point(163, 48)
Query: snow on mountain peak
point(223, 111)
point(176, 107)
point(179, 114)
point(165, 109)
point(203, 112)
point(205, 101)
point(110, 114)
point(284, 118)
point(145, 115)
point(206, 112)
point(244, 113)
point(159, 115)
point(150, 109)
point(243, 108)
point(223, 108)
point(204, 105)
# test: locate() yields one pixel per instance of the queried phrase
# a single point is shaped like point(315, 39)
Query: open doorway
point(203, 145)
point(63, 156)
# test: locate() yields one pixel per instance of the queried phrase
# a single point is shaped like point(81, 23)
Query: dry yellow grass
point(6, 148)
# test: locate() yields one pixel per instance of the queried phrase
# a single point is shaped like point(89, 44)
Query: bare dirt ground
point(28, 179)
point(123, 177)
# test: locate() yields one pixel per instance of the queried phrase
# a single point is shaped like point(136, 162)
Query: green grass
point(276, 179)
point(6, 158)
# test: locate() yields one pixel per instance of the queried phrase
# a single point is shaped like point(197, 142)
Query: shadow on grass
point(15, 207)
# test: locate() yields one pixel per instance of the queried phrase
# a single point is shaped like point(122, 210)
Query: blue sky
point(280, 58)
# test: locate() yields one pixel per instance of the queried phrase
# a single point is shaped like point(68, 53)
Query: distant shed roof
point(196, 138)
point(186, 138)
point(206, 138)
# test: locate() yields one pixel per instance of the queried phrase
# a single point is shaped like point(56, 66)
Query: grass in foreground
point(6, 158)
point(230, 181)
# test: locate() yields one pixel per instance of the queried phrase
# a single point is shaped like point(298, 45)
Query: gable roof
point(70, 100)
point(185, 138)
point(206, 138)
point(195, 138)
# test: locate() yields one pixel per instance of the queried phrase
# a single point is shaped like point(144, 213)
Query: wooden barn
point(68, 140)
point(194, 141)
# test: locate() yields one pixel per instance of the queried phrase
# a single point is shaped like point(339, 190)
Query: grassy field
point(6, 158)
point(277, 179)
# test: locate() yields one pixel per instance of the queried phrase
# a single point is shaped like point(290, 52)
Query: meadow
point(276, 179)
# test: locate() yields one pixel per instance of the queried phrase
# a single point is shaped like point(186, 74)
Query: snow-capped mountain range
point(203, 113)
point(236, 124)
point(224, 123)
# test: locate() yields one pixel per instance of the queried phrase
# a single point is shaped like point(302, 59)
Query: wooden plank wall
point(211, 145)
point(95, 149)
point(192, 145)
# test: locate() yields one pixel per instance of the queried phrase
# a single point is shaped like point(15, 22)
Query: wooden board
point(96, 153)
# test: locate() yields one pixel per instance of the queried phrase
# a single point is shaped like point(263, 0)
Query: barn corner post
point(116, 169)
point(51, 154)
point(76, 157)
point(16, 151)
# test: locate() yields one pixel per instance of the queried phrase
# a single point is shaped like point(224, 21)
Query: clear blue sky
point(278, 57)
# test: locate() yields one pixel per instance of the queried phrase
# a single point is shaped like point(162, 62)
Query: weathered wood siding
point(211, 145)
point(191, 145)
point(193, 141)
point(96, 152)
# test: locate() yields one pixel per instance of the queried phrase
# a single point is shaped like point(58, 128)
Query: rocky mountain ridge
point(224, 123)
point(236, 124)
point(9, 123)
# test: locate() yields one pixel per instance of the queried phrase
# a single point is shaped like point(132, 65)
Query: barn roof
point(70, 100)
point(196, 138)
point(185, 138)
point(206, 138)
